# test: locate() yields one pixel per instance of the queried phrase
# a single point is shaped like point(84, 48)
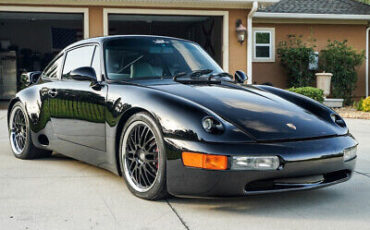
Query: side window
point(264, 42)
point(53, 68)
point(96, 62)
point(76, 58)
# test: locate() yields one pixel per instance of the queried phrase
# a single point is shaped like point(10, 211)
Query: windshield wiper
point(193, 74)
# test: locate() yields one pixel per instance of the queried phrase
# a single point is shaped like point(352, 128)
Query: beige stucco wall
point(95, 21)
point(237, 51)
point(274, 73)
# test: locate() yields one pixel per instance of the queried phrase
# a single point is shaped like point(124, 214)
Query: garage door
point(28, 41)
point(205, 30)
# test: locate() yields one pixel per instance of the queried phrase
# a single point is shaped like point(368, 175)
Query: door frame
point(28, 9)
point(224, 14)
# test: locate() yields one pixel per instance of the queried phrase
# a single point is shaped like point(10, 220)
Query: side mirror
point(83, 74)
point(240, 77)
point(30, 78)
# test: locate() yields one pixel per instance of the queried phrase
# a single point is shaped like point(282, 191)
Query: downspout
point(367, 62)
point(249, 41)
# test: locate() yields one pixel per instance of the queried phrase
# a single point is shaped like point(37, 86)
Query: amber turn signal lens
point(215, 162)
point(206, 161)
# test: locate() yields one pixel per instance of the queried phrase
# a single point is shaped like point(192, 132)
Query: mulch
point(350, 112)
point(4, 105)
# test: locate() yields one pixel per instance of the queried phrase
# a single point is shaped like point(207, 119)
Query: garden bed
point(350, 112)
point(3, 105)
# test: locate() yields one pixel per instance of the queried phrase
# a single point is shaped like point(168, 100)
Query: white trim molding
point(271, 44)
point(224, 14)
point(84, 11)
point(367, 62)
point(312, 16)
point(250, 42)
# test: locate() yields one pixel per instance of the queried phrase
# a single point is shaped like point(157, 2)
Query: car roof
point(106, 38)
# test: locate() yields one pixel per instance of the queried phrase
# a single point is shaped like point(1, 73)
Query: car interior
point(126, 65)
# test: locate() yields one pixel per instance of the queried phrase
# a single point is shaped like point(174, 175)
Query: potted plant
point(323, 81)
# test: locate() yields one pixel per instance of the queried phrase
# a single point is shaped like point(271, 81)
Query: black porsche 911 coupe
point(161, 113)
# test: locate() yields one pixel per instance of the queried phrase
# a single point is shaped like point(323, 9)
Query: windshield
point(133, 58)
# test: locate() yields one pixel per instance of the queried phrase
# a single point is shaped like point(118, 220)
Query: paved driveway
point(61, 193)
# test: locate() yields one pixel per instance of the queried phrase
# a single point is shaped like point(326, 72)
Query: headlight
point(350, 153)
point(207, 124)
point(211, 125)
point(255, 163)
point(338, 120)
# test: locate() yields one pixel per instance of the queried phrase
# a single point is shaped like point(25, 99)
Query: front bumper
point(307, 164)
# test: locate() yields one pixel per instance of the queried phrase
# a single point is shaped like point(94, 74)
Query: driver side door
point(78, 110)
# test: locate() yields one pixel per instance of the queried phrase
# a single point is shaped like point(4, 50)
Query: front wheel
point(143, 157)
point(20, 135)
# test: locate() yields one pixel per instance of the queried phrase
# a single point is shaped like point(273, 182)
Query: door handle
point(52, 92)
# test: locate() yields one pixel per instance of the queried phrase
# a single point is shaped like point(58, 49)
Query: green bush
point(364, 1)
point(358, 104)
point(366, 104)
point(311, 92)
point(295, 57)
point(341, 60)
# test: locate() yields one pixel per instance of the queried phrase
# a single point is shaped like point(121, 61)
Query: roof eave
point(267, 15)
point(234, 4)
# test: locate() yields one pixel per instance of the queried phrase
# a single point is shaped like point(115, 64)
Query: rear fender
point(32, 100)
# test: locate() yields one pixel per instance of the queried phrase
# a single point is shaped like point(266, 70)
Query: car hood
point(261, 114)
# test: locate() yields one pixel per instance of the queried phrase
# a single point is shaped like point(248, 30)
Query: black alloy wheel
point(142, 157)
point(20, 135)
point(18, 130)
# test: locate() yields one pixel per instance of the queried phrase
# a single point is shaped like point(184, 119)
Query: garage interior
point(205, 30)
point(28, 42)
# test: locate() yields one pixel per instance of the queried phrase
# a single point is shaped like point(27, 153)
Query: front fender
point(320, 110)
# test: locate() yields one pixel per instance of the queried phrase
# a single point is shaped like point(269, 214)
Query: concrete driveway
point(61, 193)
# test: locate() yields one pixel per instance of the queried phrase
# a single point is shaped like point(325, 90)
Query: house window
point(264, 45)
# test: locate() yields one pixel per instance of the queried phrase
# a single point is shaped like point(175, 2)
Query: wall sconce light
point(241, 31)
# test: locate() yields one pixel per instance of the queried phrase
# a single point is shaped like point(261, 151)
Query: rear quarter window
point(53, 69)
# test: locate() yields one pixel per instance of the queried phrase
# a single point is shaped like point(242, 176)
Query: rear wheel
point(20, 135)
point(142, 157)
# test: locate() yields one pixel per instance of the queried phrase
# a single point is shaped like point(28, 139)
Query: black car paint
point(85, 122)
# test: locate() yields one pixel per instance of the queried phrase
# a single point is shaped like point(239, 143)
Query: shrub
point(311, 92)
point(366, 104)
point(358, 104)
point(295, 57)
point(341, 60)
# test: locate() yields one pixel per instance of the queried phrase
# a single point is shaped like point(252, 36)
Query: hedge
point(311, 92)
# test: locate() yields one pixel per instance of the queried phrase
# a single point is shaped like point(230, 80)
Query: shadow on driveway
point(341, 201)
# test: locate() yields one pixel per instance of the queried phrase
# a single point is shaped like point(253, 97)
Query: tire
point(20, 135)
point(143, 158)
